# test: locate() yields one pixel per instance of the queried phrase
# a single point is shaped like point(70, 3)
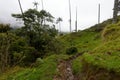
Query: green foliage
point(19, 31)
point(5, 41)
point(37, 42)
point(30, 56)
point(15, 51)
point(71, 50)
point(4, 28)
point(21, 53)
point(32, 17)
point(77, 66)
point(37, 32)
point(38, 62)
point(84, 40)
point(18, 45)
point(45, 71)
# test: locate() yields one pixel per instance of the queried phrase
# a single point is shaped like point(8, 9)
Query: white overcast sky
point(87, 11)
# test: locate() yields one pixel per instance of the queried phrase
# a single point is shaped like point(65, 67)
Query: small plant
point(71, 50)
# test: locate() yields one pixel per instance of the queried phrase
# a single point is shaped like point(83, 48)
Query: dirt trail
point(64, 68)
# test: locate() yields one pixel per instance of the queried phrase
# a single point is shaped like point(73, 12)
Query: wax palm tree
point(115, 11)
point(59, 20)
point(20, 7)
point(42, 4)
point(70, 15)
point(36, 4)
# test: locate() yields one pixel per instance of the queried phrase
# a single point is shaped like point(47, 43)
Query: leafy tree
point(21, 53)
point(37, 29)
point(46, 17)
point(33, 17)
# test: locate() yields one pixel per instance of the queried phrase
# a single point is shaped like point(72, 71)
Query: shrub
point(30, 56)
point(4, 28)
point(71, 50)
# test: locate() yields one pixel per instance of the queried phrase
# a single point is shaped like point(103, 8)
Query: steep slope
point(102, 45)
point(103, 62)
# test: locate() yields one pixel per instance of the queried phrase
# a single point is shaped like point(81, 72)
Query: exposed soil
point(64, 69)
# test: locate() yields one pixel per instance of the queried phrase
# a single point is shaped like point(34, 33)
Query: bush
point(30, 56)
point(4, 28)
point(71, 50)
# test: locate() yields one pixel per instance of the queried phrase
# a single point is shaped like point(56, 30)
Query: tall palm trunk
point(76, 21)
point(43, 9)
point(22, 12)
point(42, 4)
point(70, 15)
point(98, 13)
point(20, 7)
point(115, 11)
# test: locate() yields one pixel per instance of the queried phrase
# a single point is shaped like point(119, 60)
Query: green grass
point(103, 50)
point(107, 55)
point(84, 40)
point(102, 46)
point(45, 71)
point(77, 65)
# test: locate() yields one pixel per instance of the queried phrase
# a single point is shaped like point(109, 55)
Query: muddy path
point(64, 68)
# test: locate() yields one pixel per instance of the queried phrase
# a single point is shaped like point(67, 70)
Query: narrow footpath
point(64, 69)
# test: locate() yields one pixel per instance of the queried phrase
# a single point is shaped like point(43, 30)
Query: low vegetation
point(33, 51)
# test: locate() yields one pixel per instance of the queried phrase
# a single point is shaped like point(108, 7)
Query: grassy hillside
point(107, 54)
point(101, 60)
point(102, 45)
point(84, 40)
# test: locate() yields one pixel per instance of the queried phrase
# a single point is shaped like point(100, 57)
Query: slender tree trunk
point(115, 11)
point(76, 21)
point(70, 15)
point(20, 7)
point(22, 12)
point(98, 13)
point(43, 9)
point(42, 4)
